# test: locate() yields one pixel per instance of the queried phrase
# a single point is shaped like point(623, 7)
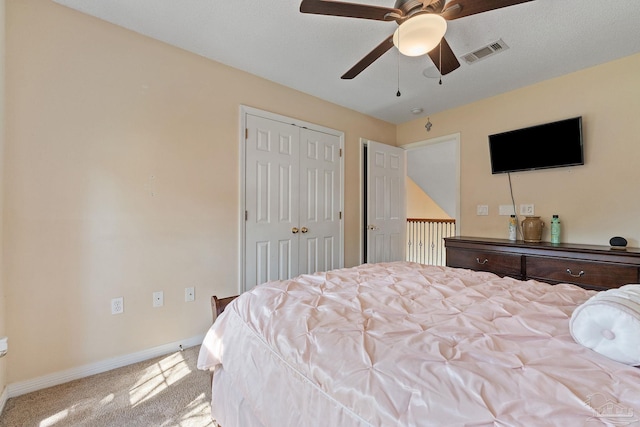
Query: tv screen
point(549, 145)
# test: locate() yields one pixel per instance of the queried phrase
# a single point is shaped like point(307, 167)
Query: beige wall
point(595, 201)
point(3, 329)
point(122, 178)
point(420, 205)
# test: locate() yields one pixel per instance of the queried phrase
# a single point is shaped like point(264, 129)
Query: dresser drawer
point(502, 264)
point(584, 273)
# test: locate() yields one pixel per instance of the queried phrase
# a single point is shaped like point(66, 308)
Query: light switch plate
point(506, 210)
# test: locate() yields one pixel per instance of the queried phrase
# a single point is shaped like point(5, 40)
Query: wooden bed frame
point(219, 304)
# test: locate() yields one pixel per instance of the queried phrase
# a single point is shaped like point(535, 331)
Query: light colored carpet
point(165, 391)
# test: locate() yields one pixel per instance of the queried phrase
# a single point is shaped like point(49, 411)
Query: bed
point(405, 344)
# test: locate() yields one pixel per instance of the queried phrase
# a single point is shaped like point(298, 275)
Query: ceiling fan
point(421, 26)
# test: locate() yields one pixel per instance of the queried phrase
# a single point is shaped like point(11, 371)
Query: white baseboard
point(3, 399)
point(23, 387)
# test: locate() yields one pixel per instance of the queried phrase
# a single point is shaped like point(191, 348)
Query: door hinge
point(340, 214)
point(341, 152)
point(246, 215)
point(246, 133)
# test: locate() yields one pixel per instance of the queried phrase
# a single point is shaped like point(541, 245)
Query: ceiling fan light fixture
point(420, 34)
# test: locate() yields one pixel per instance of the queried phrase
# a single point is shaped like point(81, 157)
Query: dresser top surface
point(521, 244)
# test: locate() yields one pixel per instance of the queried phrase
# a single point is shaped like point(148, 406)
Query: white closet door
point(319, 248)
point(386, 210)
point(272, 201)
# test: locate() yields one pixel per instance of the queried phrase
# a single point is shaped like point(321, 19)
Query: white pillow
point(609, 323)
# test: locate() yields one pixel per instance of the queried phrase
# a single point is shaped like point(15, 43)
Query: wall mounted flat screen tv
point(550, 145)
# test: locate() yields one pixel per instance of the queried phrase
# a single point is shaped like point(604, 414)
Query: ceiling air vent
point(485, 52)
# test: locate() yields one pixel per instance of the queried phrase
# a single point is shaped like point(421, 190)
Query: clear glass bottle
point(555, 229)
point(513, 228)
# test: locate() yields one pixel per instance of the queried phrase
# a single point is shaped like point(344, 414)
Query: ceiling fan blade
point(376, 53)
point(350, 10)
point(443, 58)
point(460, 8)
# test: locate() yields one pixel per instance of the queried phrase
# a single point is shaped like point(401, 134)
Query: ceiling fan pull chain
point(398, 59)
point(440, 60)
point(398, 92)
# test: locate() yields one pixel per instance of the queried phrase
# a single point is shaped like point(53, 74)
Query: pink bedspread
point(403, 344)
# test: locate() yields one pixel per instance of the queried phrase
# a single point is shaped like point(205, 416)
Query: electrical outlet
point(482, 210)
point(117, 305)
point(189, 294)
point(527, 209)
point(158, 299)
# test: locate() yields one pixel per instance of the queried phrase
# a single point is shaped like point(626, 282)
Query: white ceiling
point(272, 39)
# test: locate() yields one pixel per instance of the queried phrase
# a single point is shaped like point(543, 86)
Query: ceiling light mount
point(420, 34)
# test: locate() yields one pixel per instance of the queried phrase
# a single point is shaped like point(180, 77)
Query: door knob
point(304, 229)
point(372, 227)
point(295, 230)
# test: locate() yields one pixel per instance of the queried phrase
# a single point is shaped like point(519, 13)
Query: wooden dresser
point(589, 266)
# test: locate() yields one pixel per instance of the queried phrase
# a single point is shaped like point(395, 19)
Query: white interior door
point(386, 207)
point(272, 203)
point(320, 211)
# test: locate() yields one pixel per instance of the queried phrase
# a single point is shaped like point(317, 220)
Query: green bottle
point(555, 229)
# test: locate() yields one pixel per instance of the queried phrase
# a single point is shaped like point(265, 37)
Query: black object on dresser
point(589, 266)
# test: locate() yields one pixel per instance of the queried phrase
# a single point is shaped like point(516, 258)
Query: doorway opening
point(433, 197)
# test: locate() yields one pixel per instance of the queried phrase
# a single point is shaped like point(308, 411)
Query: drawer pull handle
point(575, 275)
point(482, 262)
